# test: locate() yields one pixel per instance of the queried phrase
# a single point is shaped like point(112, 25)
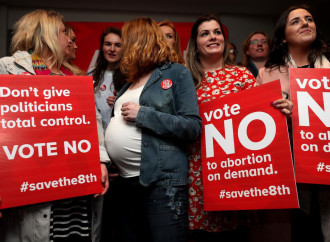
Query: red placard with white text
point(49, 145)
point(310, 94)
point(246, 158)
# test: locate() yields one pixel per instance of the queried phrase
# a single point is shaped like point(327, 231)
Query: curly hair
point(192, 56)
point(279, 53)
point(177, 45)
point(144, 48)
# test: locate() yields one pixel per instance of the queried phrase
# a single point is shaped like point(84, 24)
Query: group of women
point(151, 126)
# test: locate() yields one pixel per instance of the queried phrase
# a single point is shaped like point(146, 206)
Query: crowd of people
point(147, 97)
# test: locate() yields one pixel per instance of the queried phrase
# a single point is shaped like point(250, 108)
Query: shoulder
point(322, 62)
point(239, 71)
point(270, 74)
point(7, 60)
point(19, 62)
point(90, 71)
point(237, 68)
point(174, 70)
point(173, 67)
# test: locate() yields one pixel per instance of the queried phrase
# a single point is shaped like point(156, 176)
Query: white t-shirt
point(105, 90)
point(123, 138)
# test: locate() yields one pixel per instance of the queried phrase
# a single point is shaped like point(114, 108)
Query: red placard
point(246, 159)
point(49, 146)
point(310, 94)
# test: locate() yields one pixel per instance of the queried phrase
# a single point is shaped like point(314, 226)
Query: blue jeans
point(154, 213)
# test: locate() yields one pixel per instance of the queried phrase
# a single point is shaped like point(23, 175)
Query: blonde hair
point(144, 48)
point(177, 45)
point(70, 65)
point(38, 31)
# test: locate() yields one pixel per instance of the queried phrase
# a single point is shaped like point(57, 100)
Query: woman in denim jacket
point(155, 116)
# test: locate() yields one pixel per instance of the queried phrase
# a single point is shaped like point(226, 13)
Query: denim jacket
point(169, 120)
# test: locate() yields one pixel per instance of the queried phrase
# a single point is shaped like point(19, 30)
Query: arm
point(105, 160)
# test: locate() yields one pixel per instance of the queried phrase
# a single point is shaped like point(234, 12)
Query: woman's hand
point(113, 172)
point(130, 111)
point(284, 105)
point(104, 180)
point(111, 100)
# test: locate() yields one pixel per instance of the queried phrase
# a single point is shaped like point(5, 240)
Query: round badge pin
point(103, 87)
point(166, 84)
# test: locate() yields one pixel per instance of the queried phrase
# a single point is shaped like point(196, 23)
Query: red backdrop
point(88, 38)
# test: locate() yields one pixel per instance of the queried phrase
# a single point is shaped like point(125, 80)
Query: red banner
point(88, 36)
point(310, 94)
point(246, 159)
point(49, 146)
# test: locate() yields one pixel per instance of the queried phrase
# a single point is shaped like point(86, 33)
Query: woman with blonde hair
point(71, 56)
point(155, 116)
point(172, 37)
point(39, 47)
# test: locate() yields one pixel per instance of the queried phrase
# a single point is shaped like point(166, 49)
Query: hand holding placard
point(246, 160)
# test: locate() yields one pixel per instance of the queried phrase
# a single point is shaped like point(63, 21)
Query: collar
point(23, 59)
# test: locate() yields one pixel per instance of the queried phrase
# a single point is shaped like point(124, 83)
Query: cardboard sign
point(49, 147)
point(246, 159)
point(310, 94)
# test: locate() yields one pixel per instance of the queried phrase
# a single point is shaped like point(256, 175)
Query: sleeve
point(185, 124)
point(3, 70)
point(104, 157)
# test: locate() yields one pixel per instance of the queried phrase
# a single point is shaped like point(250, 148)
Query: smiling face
point(169, 34)
point(112, 48)
point(73, 46)
point(258, 48)
point(210, 40)
point(300, 29)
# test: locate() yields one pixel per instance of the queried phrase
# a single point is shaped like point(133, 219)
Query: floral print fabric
point(215, 84)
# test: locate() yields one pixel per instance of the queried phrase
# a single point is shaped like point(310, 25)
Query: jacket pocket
point(171, 158)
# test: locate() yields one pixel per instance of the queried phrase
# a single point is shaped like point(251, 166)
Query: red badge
point(166, 84)
point(103, 87)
